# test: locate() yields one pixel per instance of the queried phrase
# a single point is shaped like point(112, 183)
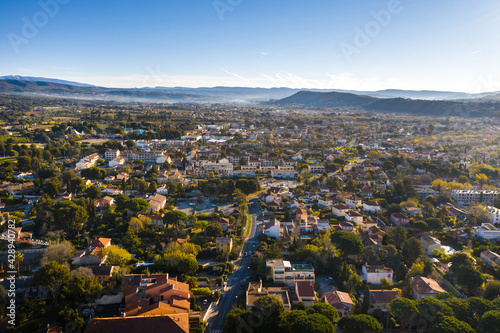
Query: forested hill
point(399, 105)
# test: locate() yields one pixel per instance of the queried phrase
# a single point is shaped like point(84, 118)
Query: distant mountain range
point(391, 100)
point(473, 108)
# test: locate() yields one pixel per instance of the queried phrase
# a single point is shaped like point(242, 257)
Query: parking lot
point(325, 286)
point(206, 205)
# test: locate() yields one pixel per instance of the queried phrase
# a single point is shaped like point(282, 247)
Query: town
point(211, 218)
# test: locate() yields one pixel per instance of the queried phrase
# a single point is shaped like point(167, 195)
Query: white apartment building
point(283, 271)
point(467, 196)
point(111, 154)
point(373, 273)
point(494, 214)
point(487, 231)
point(157, 157)
point(316, 168)
point(87, 161)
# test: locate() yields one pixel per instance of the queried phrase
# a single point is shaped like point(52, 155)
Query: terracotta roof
point(305, 289)
point(100, 242)
point(383, 296)
point(174, 323)
point(338, 297)
point(423, 285)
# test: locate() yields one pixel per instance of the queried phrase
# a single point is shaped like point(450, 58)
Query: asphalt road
point(240, 275)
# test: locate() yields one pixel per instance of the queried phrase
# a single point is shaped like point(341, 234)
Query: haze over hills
point(392, 100)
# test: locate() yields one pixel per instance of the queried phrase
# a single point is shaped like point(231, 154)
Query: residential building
point(149, 157)
point(144, 290)
point(413, 211)
point(381, 298)
point(305, 292)
point(104, 273)
point(494, 214)
point(272, 228)
point(100, 242)
point(116, 162)
point(371, 206)
point(316, 168)
point(87, 161)
point(353, 201)
point(430, 244)
point(111, 154)
point(490, 258)
point(353, 216)
point(224, 245)
point(325, 203)
point(255, 290)
point(400, 219)
point(467, 196)
point(283, 271)
point(340, 210)
point(156, 203)
point(341, 301)
point(425, 287)
point(487, 231)
point(177, 323)
point(163, 190)
point(374, 273)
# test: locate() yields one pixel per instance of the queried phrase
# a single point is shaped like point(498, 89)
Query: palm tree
point(18, 258)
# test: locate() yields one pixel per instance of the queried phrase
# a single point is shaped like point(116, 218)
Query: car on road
point(205, 301)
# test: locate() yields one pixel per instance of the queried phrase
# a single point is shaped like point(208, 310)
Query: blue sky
point(331, 44)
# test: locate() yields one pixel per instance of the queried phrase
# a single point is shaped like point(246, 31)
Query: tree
point(326, 310)
point(491, 321)
point(235, 320)
point(430, 308)
point(18, 259)
point(421, 225)
point(69, 215)
point(137, 205)
point(24, 163)
point(405, 310)
point(366, 300)
point(130, 240)
point(175, 217)
point(349, 243)
point(482, 179)
point(412, 250)
point(272, 312)
point(214, 230)
point(136, 224)
point(480, 305)
point(59, 253)
point(397, 236)
point(469, 277)
point(52, 276)
point(188, 266)
point(449, 324)
point(300, 321)
point(359, 324)
point(53, 186)
point(116, 255)
point(94, 192)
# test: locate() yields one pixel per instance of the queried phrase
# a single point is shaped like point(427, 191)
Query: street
point(239, 276)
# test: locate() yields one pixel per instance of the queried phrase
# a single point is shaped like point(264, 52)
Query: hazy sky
point(362, 44)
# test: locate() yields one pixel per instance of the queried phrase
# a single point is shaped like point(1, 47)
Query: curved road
point(240, 275)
